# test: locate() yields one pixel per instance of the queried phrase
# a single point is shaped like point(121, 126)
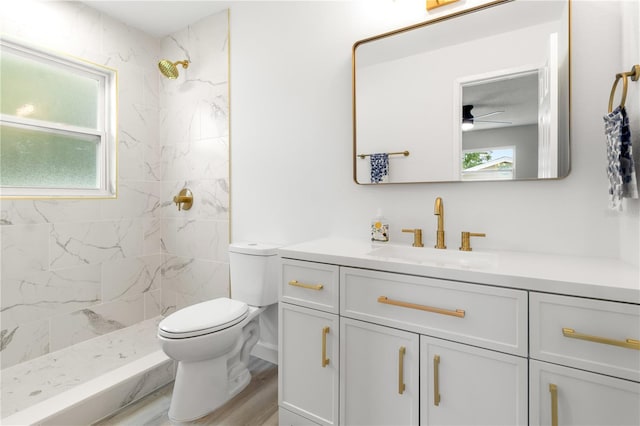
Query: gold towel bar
point(634, 74)
point(405, 153)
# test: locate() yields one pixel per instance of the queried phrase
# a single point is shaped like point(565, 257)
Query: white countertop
point(592, 277)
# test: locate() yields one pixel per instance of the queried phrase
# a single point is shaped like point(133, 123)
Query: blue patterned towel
point(620, 167)
point(379, 168)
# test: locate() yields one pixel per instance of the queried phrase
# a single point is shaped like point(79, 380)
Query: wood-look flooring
point(256, 405)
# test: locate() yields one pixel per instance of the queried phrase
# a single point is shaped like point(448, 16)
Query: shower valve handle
point(184, 200)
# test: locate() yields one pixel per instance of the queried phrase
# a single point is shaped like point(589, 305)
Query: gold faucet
point(438, 210)
point(417, 236)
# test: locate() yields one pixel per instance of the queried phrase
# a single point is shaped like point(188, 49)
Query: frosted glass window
point(42, 91)
point(31, 158)
point(57, 125)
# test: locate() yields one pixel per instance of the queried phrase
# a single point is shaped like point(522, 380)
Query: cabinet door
point(379, 377)
point(567, 396)
point(308, 363)
point(466, 385)
point(287, 418)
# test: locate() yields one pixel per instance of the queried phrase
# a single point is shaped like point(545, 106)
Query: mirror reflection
point(479, 95)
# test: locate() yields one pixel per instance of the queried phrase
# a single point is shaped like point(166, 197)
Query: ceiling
point(158, 18)
point(516, 96)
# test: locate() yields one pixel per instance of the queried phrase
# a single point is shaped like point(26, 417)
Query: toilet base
point(203, 386)
point(199, 389)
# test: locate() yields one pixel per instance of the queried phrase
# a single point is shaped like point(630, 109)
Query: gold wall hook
point(184, 200)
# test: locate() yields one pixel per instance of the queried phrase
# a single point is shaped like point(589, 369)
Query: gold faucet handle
point(417, 236)
point(466, 240)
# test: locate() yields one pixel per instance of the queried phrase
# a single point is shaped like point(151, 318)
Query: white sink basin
point(436, 257)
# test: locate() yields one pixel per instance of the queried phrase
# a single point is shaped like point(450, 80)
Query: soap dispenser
point(379, 228)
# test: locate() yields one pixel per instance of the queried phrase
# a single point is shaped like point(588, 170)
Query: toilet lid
point(203, 318)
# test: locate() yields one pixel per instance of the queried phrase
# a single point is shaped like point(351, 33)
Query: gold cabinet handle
point(436, 380)
point(295, 283)
point(628, 343)
point(553, 390)
point(325, 360)
point(457, 313)
point(401, 385)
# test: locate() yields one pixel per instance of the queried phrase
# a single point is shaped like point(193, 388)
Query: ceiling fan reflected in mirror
point(468, 119)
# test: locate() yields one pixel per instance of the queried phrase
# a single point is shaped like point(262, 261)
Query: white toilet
point(211, 341)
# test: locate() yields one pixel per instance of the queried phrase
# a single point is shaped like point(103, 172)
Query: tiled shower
point(76, 269)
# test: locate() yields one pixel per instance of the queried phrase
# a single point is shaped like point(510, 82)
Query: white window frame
point(105, 130)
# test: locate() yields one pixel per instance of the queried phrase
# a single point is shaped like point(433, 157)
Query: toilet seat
point(203, 318)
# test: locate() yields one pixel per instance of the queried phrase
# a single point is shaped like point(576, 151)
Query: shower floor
point(122, 366)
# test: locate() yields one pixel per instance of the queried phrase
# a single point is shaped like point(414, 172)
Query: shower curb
point(98, 398)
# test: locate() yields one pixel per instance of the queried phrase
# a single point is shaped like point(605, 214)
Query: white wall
point(291, 140)
point(630, 52)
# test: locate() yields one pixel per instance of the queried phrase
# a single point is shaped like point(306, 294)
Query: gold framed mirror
point(503, 67)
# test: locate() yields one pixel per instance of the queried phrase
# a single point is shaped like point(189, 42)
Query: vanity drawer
point(489, 317)
point(592, 335)
point(310, 284)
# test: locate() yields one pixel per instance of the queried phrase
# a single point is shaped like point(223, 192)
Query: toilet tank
point(254, 273)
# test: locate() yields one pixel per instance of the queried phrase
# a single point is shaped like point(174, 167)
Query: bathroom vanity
point(404, 336)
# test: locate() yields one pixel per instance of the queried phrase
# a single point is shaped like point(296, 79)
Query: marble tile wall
point(76, 269)
point(194, 141)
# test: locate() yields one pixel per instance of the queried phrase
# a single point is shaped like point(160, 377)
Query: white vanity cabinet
point(417, 344)
point(585, 361)
point(476, 385)
point(466, 385)
point(564, 396)
point(308, 355)
point(379, 380)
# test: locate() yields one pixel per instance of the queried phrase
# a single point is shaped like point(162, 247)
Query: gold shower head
point(169, 69)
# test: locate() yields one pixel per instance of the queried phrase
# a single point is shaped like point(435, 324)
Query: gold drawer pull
point(553, 390)
point(325, 360)
point(628, 343)
point(457, 313)
point(295, 283)
point(436, 380)
point(401, 385)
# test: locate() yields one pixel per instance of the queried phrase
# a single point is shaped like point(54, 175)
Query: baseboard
point(266, 351)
